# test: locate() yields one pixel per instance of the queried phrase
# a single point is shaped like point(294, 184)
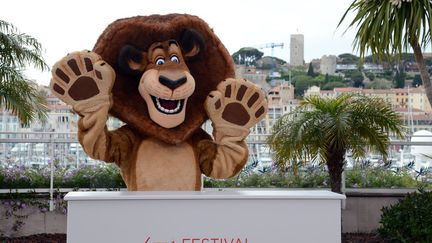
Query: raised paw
point(80, 76)
point(238, 102)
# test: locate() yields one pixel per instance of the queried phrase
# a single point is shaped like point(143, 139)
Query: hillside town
point(285, 84)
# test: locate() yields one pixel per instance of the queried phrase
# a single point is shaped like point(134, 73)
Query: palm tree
point(17, 93)
point(324, 129)
point(389, 27)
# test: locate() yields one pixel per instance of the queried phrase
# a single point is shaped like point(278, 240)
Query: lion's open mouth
point(168, 107)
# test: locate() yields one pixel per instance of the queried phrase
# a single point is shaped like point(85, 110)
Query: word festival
point(203, 240)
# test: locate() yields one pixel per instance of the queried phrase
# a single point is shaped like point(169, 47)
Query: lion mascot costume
point(163, 76)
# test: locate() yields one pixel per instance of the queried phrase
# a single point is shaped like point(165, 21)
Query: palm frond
point(6, 26)
point(385, 29)
point(322, 125)
point(21, 97)
point(20, 50)
point(295, 136)
point(325, 129)
point(17, 94)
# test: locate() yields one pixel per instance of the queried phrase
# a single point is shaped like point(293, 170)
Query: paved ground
point(42, 238)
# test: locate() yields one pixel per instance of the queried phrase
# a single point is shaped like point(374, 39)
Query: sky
point(67, 26)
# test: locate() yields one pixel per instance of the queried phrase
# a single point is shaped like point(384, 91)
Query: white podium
point(204, 217)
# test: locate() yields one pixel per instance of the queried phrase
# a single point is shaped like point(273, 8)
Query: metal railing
point(38, 148)
point(42, 148)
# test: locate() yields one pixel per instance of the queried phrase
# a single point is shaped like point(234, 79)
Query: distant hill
point(267, 62)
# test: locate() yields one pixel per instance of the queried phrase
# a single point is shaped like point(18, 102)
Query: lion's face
point(154, 93)
point(166, 84)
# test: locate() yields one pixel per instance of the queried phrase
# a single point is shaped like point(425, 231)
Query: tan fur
point(149, 164)
point(169, 152)
point(157, 169)
point(230, 147)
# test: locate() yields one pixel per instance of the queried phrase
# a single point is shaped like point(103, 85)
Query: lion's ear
point(131, 61)
point(192, 44)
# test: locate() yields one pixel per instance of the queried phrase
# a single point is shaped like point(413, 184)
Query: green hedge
point(108, 176)
point(102, 176)
point(272, 180)
point(379, 177)
point(409, 220)
point(357, 177)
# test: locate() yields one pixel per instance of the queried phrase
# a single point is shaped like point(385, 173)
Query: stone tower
point(297, 50)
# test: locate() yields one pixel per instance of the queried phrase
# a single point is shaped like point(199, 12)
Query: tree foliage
point(268, 62)
point(379, 84)
point(408, 220)
point(323, 130)
point(417, 81)
point(311, 71)
point(356, 77)
point(428, 61)
point(17, 93)
point(399, 79)
point(332, 85)
point(370, 76)
point(302, 83)
point(348, 58)
point(247, 56)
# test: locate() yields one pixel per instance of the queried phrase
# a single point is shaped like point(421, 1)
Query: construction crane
point(272, 46)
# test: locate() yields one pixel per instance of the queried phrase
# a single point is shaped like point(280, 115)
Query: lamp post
point(51, 151)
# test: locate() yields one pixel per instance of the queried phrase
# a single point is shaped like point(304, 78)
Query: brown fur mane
point(214, 66)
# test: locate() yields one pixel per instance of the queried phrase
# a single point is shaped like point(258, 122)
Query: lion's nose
point(172, 84)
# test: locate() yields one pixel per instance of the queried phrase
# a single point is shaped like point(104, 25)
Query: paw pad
point(239, 102)
point(236, 113)
point(80, 76)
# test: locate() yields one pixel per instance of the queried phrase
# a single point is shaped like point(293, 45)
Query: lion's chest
point(161, 166)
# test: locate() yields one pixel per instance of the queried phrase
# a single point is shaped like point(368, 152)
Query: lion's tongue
point(168, 104)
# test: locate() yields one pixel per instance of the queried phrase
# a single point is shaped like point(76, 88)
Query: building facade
point(411, 103)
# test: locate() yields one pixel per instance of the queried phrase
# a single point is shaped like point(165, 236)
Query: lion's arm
point(98, 142)
point(223, 157)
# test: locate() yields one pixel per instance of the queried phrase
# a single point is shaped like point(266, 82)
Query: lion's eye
point(175, 59)
point(160, 61)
